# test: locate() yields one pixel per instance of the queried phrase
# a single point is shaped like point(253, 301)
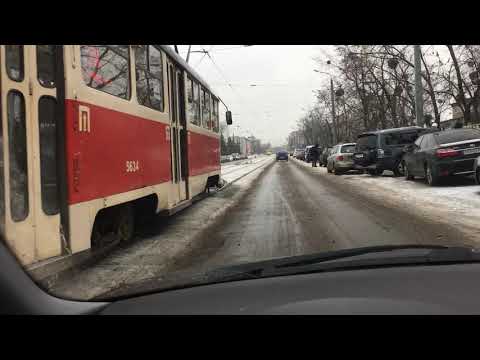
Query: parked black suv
point(381, 150)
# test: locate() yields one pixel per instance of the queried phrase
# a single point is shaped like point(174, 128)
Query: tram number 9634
point(132, 166)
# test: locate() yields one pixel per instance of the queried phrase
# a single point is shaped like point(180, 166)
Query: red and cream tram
point(93, 136)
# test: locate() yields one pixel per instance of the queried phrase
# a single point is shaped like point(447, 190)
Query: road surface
point(280, 209)
point(291, 210)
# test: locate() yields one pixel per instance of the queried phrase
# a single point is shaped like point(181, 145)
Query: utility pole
point(334, 121)
point(332, 94)
point(313, 133)
point(418, 86)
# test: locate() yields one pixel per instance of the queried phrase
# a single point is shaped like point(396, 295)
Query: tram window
point(192, 96)
point(48, 152)
point(106, 68)
point(14, 62)
point(46, 65)
point(212, 114)
point(196, 100)
point(202, 99)
point(17, 149)
point(149, 77)
point(215, 115)
point(209, 111)
point(217, 122)
point(205, 109)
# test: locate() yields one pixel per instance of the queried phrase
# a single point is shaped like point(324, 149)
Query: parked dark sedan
point(282, 155)
point(441, 154)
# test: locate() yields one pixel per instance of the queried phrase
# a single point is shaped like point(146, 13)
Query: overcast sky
point(284, 82)
point(284, 79)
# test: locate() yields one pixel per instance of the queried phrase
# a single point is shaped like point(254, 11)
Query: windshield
point(125, 163)
point(452, 136)
point(348, 149)
point(366, 142)
point(400, 138)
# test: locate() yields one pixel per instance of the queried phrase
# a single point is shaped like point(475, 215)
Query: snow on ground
point(456, 202)
point(234, 170)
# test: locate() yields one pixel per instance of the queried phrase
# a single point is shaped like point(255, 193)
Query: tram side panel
point(203, 159)
point(113, 158)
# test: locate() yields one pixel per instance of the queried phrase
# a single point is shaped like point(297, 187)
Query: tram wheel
point(97, 235)
point(125, 223)
point(101, 227)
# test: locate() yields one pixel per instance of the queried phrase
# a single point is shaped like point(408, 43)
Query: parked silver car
point(340, 159)
point(299, 154)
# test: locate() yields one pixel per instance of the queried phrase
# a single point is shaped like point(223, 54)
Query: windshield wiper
point(341, 259)
point(340, 254)
point(398, 255)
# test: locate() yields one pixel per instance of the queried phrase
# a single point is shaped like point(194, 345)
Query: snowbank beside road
point(456, 203)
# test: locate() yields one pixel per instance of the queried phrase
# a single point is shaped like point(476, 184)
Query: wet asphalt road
point(292, 211)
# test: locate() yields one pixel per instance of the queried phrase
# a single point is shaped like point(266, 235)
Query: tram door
point(28, 173)
point(178, 133)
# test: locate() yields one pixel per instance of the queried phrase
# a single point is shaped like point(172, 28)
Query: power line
point(205, 52)
point(220, 71)
point(229, 84)
point(198, 63)
point(230, 48)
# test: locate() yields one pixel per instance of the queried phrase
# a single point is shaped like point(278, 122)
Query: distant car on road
point(340, 159)
point(324, 156)
point(383, 149)
point(282, 155)
point(437, 155)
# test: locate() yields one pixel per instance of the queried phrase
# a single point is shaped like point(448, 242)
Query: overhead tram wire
point(227, 81)
point(230, 48)
point(205, 52)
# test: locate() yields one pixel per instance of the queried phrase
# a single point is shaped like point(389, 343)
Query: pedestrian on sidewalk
point(315, 155)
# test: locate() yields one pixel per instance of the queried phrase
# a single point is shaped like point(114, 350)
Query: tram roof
point(183, 64)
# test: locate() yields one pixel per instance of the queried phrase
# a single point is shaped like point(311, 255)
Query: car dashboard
point(433, 289)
